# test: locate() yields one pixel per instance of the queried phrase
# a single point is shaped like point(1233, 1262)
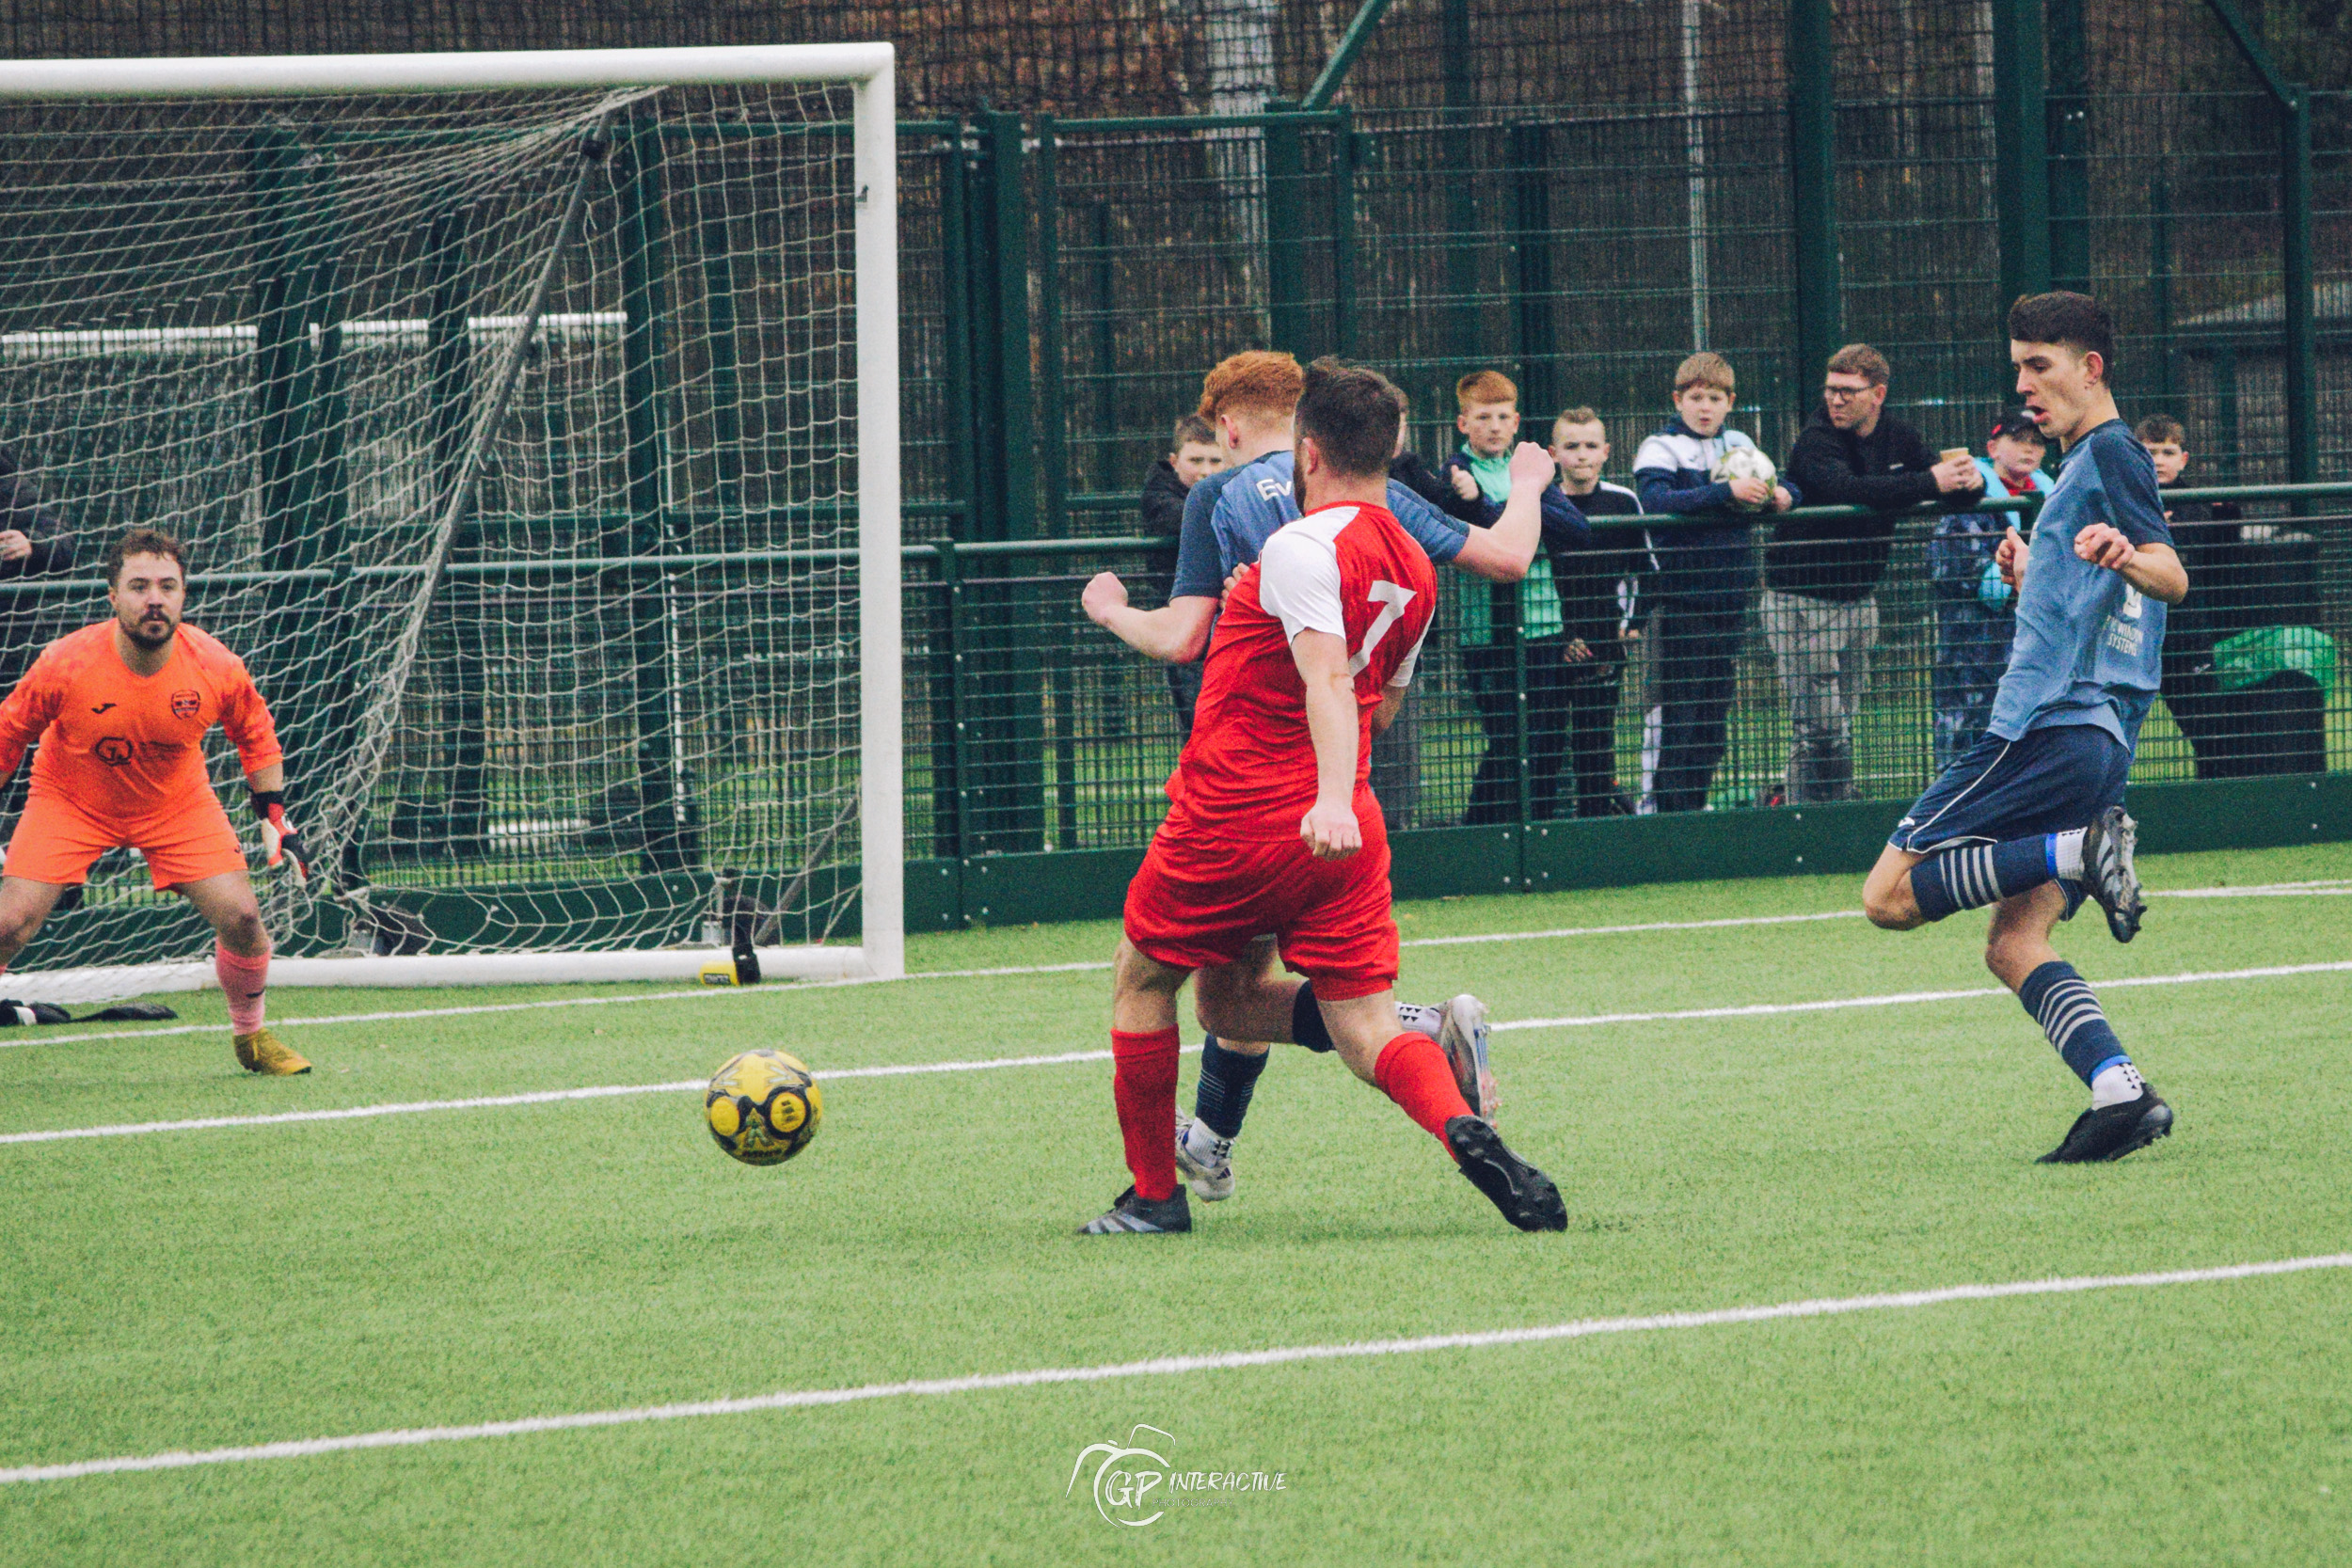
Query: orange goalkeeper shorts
point(56, 841)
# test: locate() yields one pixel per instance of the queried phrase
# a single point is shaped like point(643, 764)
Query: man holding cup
point(1821, 573)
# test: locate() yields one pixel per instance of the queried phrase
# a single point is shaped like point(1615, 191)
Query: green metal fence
point(1578, 199)
point(1082, 765)
point(1584, 250)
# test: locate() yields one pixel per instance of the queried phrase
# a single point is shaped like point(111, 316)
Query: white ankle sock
point(2116, 1084)
point(2068, 850)
point(1200, 1140)
point(1419, 1019)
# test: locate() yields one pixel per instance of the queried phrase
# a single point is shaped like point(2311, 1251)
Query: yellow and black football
point(763, 1107)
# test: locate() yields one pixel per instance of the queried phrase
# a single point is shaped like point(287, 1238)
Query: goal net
point(531, 423)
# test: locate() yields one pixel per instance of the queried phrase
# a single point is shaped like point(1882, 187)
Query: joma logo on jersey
point(185, 705)
point(113, 751)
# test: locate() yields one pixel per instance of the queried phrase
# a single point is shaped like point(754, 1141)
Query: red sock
point(1413, 1071)
point(1143, 1081)
point(243, 980)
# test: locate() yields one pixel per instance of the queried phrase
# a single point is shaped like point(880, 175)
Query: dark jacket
point(1561, 527)
point(1598, 579)
point(1411, 471)
point(1163, 510)
point(1843, 558)
point(2225, 581)
point(22, 508)
point(1564, 527)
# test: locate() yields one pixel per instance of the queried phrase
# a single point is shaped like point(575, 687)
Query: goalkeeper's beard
point(138, 632)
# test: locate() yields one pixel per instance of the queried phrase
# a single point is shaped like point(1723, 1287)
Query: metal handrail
point(1019, 550)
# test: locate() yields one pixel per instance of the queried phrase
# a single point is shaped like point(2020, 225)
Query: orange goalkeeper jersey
point(123, 747)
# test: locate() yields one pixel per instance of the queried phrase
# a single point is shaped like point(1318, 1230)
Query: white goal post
point(518, 323)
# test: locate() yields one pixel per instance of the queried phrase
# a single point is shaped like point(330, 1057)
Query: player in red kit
point(119, 710)
point(1272, 825)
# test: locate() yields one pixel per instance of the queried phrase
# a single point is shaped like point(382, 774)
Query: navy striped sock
point(1982, 874)
point(2064, 1004)
point(1227, 1079)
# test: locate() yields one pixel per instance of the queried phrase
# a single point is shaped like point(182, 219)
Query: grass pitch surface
point(245, 1285)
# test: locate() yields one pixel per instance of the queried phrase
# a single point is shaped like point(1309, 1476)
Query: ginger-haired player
point(120, 710)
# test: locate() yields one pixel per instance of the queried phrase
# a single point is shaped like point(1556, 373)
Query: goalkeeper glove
point(279, 835)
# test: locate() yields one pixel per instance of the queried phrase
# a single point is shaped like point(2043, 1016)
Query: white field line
point(549, 1097)
point(1088, 966)
point(539, 1097)
point(559, 1002)
point(1621, 930)
point(2280, 890)
point(2275, 890)
point(1906, 998)
point(1170, 1366)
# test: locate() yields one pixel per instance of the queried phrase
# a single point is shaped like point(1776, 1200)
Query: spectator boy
point(1820, 610)
point(1194, 454)
point(1974, 607)
point(1478, 472)
point(1599, 584)
point(1703, 574)
point(2207, 535)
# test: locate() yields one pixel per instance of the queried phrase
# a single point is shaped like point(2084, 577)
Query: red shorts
point(56, 841)
point(1200, 900)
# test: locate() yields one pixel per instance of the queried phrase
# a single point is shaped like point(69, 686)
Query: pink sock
point(242, 980)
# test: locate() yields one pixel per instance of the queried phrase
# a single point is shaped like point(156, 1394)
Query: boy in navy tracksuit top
point(1702, 581)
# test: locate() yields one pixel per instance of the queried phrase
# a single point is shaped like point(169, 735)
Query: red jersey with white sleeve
point(1248, 772)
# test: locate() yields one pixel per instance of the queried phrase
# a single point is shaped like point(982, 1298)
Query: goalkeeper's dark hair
point(2070, 319)
point(143, 541)
point(1352, 414)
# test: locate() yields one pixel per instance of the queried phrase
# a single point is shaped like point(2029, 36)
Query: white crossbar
point(272, 76)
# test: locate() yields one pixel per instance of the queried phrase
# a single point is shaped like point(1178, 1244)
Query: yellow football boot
point(264, 1053)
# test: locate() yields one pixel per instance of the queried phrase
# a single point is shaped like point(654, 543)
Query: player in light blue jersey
point(2031, 818)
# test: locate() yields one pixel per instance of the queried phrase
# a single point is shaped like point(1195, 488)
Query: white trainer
point(1462, 1035)
point(1210, 1174)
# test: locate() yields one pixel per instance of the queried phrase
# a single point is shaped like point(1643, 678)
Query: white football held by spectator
point(1745, 463)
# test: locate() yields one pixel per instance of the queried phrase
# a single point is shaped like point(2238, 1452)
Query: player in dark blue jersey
point(2031, 818)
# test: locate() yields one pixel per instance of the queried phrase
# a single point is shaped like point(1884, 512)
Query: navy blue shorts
point(2050, 782)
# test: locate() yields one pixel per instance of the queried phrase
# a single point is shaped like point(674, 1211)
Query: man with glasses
point(1820, 573)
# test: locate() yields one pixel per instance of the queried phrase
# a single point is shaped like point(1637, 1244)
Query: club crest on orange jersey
point(185, 705)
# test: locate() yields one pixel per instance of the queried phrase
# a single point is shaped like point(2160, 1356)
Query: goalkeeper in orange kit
point(120, 710)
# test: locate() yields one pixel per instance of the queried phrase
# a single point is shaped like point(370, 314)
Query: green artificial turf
point(234, 1285)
